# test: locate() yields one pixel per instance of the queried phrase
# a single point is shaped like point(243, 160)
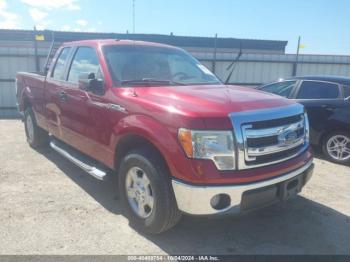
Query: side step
point(78, 159)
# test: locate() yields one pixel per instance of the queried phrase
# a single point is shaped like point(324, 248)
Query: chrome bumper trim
point(195, 200)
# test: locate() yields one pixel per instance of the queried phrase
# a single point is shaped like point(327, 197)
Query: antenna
point(133, 16)
point(46, 66)
point(232, 66)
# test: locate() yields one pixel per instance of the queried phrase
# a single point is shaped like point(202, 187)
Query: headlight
point(214, 145)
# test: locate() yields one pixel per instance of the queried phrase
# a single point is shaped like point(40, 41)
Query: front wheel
point(36, 136)
point(336, 147)
point(146, 192)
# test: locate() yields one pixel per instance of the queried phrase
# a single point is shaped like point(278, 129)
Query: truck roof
point(101, 42)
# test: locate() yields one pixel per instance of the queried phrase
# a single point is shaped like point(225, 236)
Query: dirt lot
point(49, 206)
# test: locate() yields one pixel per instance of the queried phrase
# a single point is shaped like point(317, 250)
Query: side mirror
point(89, 83)
point(347, 99)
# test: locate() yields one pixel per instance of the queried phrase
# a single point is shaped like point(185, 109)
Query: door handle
point(63, 96)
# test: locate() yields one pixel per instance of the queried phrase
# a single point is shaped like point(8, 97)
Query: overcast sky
point(322, 24)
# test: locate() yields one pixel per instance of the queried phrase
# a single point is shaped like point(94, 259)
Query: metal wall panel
point(7, 95)
point(254, 72)
point(323, 69)
point(8, 100)
point(9, 66)
point(254, 69)
point(9, 114)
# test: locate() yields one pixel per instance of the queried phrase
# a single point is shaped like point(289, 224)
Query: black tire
point(164, 214)
point(328, 154)
point(38, 137)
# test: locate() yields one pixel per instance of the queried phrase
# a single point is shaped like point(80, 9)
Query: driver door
point(83, 122)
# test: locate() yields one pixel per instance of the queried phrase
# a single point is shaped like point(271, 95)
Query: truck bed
point(33, 83)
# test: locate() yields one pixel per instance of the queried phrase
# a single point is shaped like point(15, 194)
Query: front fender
point(163, 137)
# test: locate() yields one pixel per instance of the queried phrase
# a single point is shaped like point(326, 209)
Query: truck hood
point(209, 100)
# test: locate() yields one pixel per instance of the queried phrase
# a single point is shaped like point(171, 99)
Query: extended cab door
point(54, 91)
point(322, 101)
point(85, 112)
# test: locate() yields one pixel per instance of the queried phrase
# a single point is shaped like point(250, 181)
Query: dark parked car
point(327, 100)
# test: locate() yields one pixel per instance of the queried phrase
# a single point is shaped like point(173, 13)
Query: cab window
point(318, 90)
point(58, 71)
point(85, 61)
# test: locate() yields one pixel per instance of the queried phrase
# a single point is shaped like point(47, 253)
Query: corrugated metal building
point(262, 60)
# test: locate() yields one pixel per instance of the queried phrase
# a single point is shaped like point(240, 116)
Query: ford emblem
point(288, 137)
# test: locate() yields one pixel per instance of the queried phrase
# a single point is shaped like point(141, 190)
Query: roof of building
point(181, 41)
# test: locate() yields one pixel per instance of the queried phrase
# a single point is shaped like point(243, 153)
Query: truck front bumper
point(211, 200)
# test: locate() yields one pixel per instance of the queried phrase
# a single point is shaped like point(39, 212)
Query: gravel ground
point(49, 206)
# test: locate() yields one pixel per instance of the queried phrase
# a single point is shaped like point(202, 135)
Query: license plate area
point(290, 188)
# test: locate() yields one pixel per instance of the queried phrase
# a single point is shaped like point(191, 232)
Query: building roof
point(181, 41)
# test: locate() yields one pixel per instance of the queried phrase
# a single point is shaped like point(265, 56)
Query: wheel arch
point(26, 98)
point(26, 103)
point(329, 131)
point(135, 131)
point(133, 141)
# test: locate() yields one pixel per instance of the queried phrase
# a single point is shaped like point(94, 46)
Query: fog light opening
point(220, 201)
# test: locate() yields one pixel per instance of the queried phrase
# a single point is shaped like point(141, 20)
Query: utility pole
point(36, 56)
point(295, 66)
point(215, 51)
point(133, 16)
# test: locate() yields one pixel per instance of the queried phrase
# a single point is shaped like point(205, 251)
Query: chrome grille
point(264, 137)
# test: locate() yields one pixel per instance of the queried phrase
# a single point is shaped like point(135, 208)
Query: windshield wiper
point(150, 81)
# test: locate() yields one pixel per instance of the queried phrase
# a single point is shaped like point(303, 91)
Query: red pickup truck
point(179, 140)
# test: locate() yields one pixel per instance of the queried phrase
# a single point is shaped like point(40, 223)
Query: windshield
point(149, 65)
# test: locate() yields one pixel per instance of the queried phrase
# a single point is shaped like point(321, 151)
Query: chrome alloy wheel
point(30, 128)
point(139, 192)
point(338, 147)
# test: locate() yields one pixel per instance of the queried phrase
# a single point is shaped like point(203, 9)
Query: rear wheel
point(146, 192)
point(336, 147)
point(36, 136)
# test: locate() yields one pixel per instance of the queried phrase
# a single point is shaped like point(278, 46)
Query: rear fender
point(26, 98)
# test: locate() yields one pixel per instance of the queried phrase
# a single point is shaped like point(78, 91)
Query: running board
point(80, 161)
